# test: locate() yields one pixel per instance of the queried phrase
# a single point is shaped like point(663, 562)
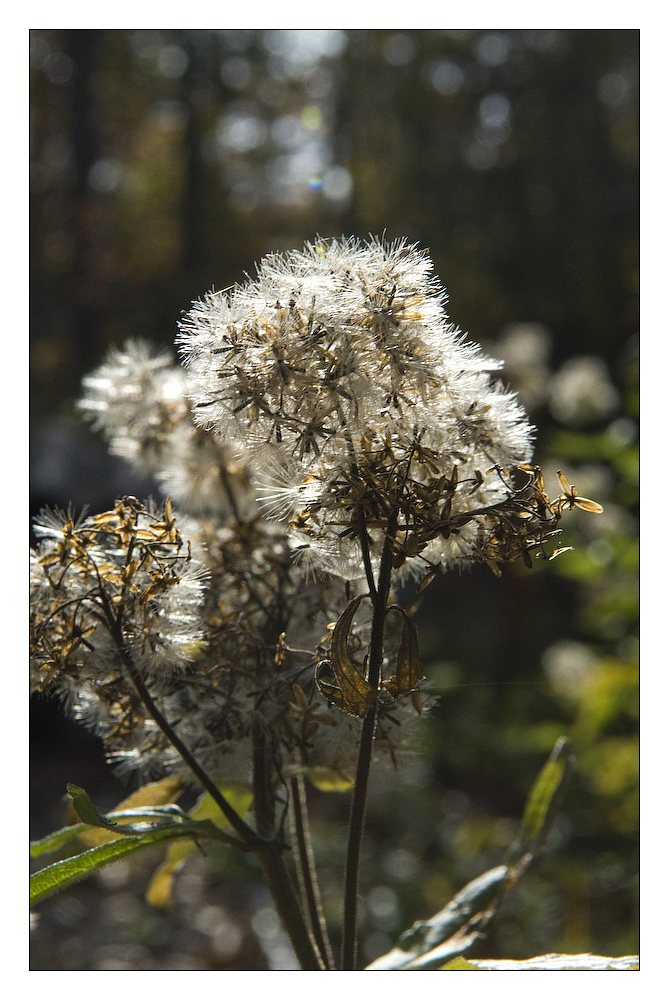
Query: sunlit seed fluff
point(339, 371)
point(136, 398)
point(323, 337)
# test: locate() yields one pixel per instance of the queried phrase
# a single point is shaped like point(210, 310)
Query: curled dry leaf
point(409, 672)
point(352, 693)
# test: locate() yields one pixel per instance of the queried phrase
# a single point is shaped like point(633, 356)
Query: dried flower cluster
point(116, 599)
point(325, 407)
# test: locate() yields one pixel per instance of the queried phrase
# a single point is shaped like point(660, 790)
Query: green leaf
point(162, 822)
point(88, 834)
point(429, 944)
point(54, 841)
point(86, 811)
point(84, 808)
point(436, 943)
point(157, 793)
point(63, 873)
point(544, 800)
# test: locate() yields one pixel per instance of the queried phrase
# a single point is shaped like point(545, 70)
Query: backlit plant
point(330, 438)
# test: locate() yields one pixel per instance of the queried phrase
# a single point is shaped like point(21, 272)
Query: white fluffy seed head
point(340, 373)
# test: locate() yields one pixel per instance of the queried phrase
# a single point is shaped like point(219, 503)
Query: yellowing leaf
point(328, 779)
point(459, 965)
point(159, 890)
point(590, 505)
point(239, 796)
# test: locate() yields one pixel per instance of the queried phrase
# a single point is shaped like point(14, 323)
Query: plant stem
point(358, 805)
point(271, 856)
point(359, 512)
point(307, 870)
point(249, 836)
point(288, 907)
point(229, 491)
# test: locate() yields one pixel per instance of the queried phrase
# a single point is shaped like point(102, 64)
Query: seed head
point(354, 397)
point(136, 398)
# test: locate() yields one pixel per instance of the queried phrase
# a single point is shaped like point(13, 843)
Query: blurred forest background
point(165, 163)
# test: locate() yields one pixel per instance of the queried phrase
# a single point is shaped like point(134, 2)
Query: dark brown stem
point(359, 512)
point(307, 871)
point(271, 853)
point(272, 858)
point(358, 805)
point(288, 907)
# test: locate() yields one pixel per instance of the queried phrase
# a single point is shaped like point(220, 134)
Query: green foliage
point(54, 841)
point(544, 799)
point(451, 932)
point(155, 824)
point(88, 814)
point(64, 873)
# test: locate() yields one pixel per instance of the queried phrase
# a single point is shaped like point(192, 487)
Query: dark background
point(165, 163)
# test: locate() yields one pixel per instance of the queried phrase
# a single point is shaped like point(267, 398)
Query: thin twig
point(229, 491)
point(249, 836)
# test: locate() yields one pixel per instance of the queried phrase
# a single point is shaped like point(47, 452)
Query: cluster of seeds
point(326, 408)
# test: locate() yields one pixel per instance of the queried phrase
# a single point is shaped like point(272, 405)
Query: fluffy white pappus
point(144, 763)
point(170, 635)
point(336, 368)
point(281, 484)
point(136, 398)
point(197, 471)
point(320, 336)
